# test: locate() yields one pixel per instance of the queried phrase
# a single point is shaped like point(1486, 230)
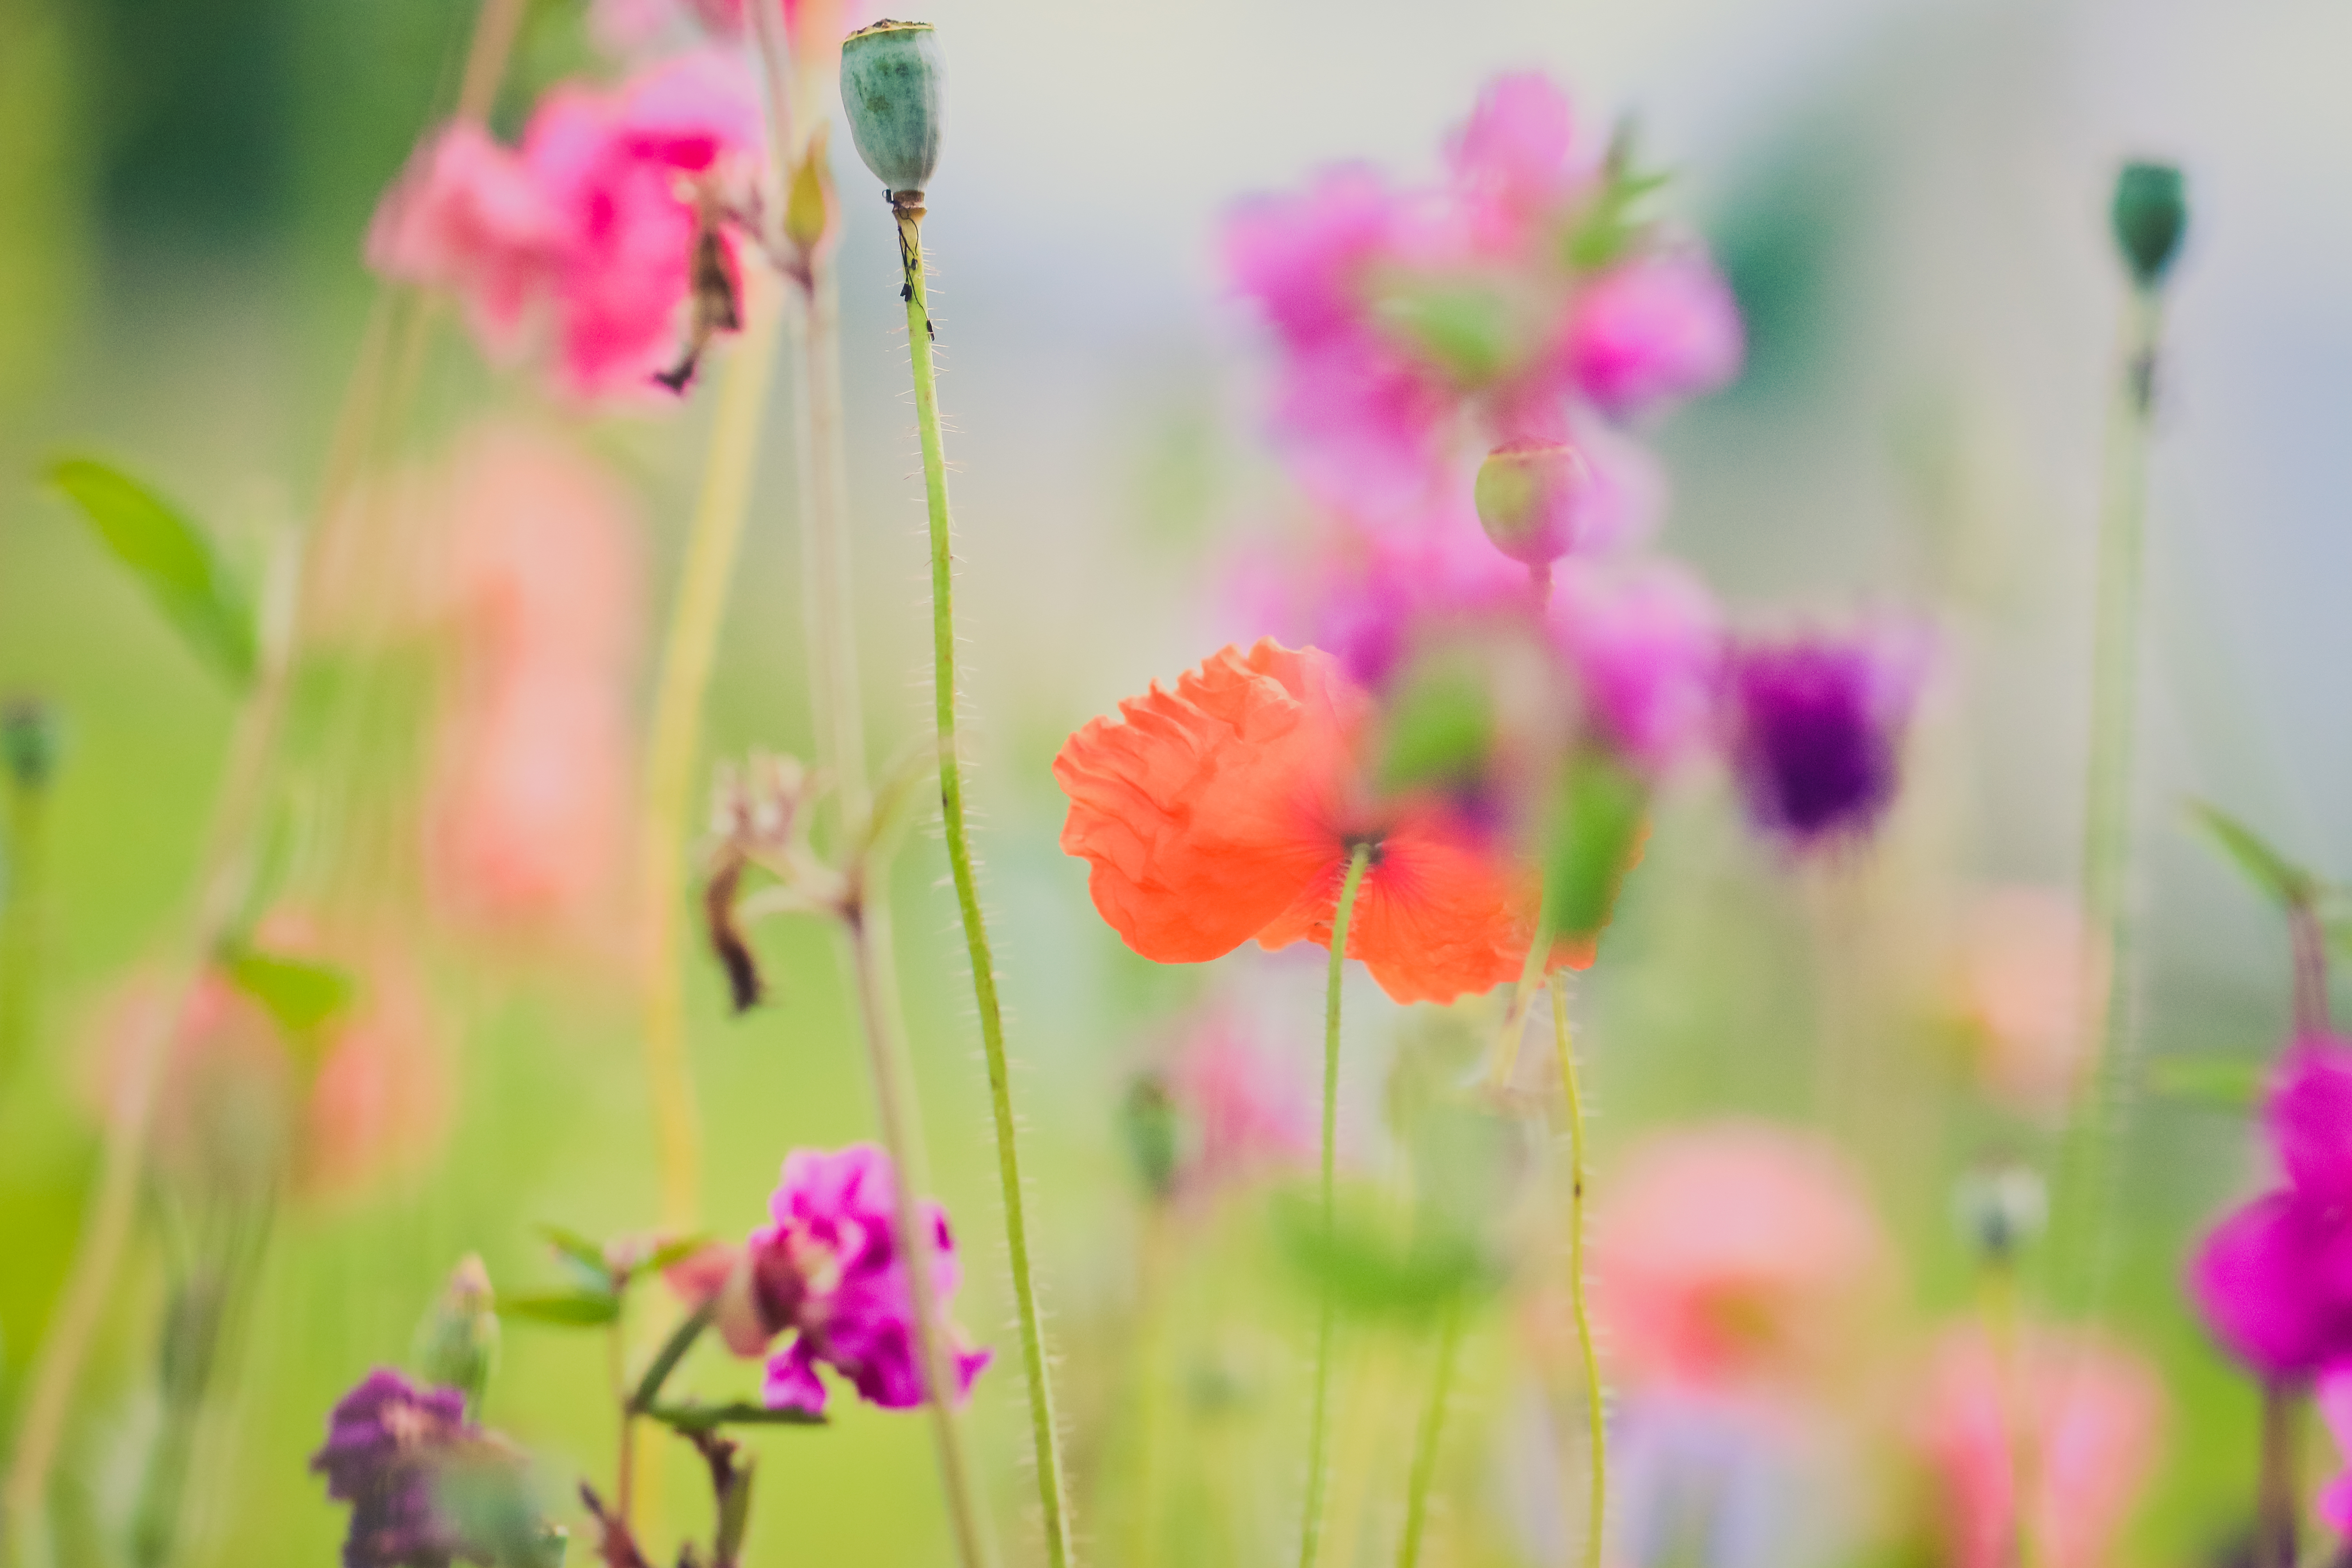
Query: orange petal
point(1438, 915)
point(1204, 810)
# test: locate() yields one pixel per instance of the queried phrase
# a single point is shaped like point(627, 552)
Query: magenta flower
point(1652, 332)
point(388, 1444)
point(1514, 167)
point(1817, 728)
point(2275, 1278)
point(827, 1271)
point(2335, 1401)
point(1646, 644)
point(591, 224)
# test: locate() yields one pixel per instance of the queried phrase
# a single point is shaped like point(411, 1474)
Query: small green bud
point(2001, 1208)
point(458, 1340)
point(891, 80)
point(808, 201)
point(30, 742)
point(2150, 215)
point(1154, 1133)
point(1532, 498)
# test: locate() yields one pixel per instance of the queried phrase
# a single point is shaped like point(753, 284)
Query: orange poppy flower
point(1230, 807)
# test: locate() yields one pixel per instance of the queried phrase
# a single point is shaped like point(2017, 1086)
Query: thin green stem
point(1596, 1411)
point(892, 1099)
point(1312, 1532)
point(20, 925)
point(1425, 1442)
point(2276, 1503)
point(673, 1351)
point(676, 745)
point(1044, 1430)
point(2107, 1024)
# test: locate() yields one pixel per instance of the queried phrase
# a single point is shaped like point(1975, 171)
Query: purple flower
point(828, 1268)
point(1645, 643)
point(2310, 1118)
point(1817, 725)
point(388, 1442)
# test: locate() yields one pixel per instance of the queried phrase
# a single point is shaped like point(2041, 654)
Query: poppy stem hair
point(1578, 1178)
point(1311, 1534)
point(907, 207)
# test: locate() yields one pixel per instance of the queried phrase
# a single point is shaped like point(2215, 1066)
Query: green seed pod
point(891, 80)
point(457, 1343)
point(1999, 1209)
point(30, 743)
point(2150, 215)
point(1533, 498)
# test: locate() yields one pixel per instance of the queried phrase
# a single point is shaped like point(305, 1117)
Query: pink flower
point(1654, 331)
point(1248, 1115)
point(2309, 1118)
point(827, 1271)
point(2080, 1420)
point(1513, 167)
point(2018, 977)
point(1646, 644)
point(592, 223)
point(1730, 1254)
point(527, 821)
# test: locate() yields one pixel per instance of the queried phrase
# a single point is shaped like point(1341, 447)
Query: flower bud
point(1153, 1131)
point(2149, 215)
point(1532, 497)
point(891, 78)
point(30, 743)
point(2001, 1208)
point(458, 1340)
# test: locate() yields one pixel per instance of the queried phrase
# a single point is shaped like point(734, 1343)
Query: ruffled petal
point(1437, 918)
point(791, 1382)
point(1203, 810)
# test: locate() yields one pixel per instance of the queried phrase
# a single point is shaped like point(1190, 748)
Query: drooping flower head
point(1817, 726)
point(1732, 1255)
point(1231, 806)
point(2081, 1420)
point(827, 1271)
point(593, 224)
point(391, 1449)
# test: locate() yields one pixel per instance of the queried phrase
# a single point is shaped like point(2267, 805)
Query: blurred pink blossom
point(1651, 332)
point(527, 820)
point(1647, 644)
point(2334, 1400)
point(1246, 1114)
point(1515, 165)
point(2077, 1421)
point(1732, 1253)
point(591, 223)
point(2018, 975)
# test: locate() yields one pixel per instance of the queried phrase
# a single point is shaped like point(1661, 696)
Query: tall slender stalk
point(676, 737)
point(1596, 1410)
point(2280, 1496)
point(1425, 1440)
point(20, 923)
point(1045, 1431)
point(885, 1056)
point(1311, 1531)
point(2107, 1023)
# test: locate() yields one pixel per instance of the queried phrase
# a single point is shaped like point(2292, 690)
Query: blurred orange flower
point(1230, 807)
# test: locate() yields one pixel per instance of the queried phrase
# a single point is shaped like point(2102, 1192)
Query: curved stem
point(677, 739)
point(885, 1056)
point(1045, 1431)
point(2106, 1024)
point(1596, 1410)
point(1432, 1426)
point(1312, 1532)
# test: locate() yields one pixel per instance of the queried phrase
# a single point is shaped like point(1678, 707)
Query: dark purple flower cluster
point(388, 1446)
point(1816, 727)
point(2275, 1278)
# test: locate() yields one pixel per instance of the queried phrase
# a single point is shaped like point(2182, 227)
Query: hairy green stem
point(2106, 1025)
point(676, 743)
point(1044, 1430)
point(1426, 1441)
point(892, 1098)
point(1596, 1410)
point(1312, 1532)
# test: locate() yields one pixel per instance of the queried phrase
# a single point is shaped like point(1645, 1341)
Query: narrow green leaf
point(562, 1309)
point(670, 1252)
point(2210, 1080)
point(705, 1417)
point(300, 994)
point(2264, 867)
point(576, 1247)
point(174, 558)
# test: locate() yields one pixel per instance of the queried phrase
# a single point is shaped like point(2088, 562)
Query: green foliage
point(1374, 1265)
point(2209, 1079)
point(2272, 873)
point(563, 1308)
point(301, 995)
point(175, 561)
point(1441, 726)
point(1468, 328)
point(1596, 826)
point(711, 1418)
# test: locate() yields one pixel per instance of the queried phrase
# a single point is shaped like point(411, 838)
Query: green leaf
point(300, 994)
point(2273, 873)
point(706, 1417)
point(1596, 831)
point(174, 558)
point(670, 1252)
point(585, 1257)
point(2216, 1081)
point(1440, 725)
point(563, 1308)
point(1470, 329)
point(1371, 1270)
